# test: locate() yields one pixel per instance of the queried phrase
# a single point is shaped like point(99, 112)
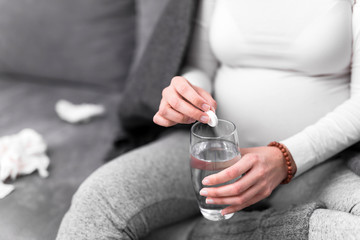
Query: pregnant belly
point(269, 105)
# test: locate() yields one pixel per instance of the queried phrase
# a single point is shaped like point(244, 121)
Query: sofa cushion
point(75, 40)
point(35, 209)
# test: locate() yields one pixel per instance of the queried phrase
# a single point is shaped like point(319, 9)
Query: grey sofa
point(79, 50)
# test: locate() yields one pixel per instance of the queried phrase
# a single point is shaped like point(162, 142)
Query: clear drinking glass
point(212, 149)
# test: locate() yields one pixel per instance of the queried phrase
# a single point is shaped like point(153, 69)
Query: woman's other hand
point(265, 169)
point(183, 103)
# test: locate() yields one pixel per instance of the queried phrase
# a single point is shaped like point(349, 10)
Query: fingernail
point(223, 212)
point(203, 192)
point(205, 107)
point(209, 200)
point(204, 119)
point(213, 109)
point(205, 181)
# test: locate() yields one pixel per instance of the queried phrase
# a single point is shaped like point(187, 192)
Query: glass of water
point(212, 149)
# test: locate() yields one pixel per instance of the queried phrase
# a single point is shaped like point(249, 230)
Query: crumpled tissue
point(72, 113)
point(21, 154)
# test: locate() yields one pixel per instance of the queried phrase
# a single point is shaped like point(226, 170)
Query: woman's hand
point(183, 103)
point(265, 169)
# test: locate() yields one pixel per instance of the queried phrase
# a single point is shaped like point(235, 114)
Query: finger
point(235, 208)
point(169, 113)
point(182, 106)
point(175, 116)
point(236, 200)
point(234, 189)
point(207, 96)
point(186, 90)
point(159, 120)
point(229, 173)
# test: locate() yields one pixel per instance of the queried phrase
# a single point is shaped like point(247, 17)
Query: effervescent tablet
point(213, 118)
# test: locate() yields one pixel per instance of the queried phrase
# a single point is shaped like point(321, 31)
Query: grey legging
point(150, 187)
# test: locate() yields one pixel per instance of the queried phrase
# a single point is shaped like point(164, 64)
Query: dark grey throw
point(269, 224)
point(160, 62)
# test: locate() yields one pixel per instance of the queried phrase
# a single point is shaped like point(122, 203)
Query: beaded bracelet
point(291, 166)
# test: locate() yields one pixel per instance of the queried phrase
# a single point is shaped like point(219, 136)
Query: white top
point(283, 70)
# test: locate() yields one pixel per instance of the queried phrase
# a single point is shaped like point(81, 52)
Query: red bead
point(287, 157)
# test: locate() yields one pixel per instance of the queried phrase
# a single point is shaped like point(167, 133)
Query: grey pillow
point(73, 40)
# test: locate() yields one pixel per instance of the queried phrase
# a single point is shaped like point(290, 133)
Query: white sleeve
point(200, 62)
point(340, 128)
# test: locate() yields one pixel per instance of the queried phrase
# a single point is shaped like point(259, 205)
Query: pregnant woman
point(281, 70)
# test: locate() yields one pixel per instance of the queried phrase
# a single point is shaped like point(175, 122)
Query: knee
point(89, 195)
point(101, 193)
point(92, 214)
point(104, 186)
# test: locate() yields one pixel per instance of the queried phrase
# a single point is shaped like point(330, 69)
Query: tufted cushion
point(74, 40)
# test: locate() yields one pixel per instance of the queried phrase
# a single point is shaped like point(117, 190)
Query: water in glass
point(208, 157)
